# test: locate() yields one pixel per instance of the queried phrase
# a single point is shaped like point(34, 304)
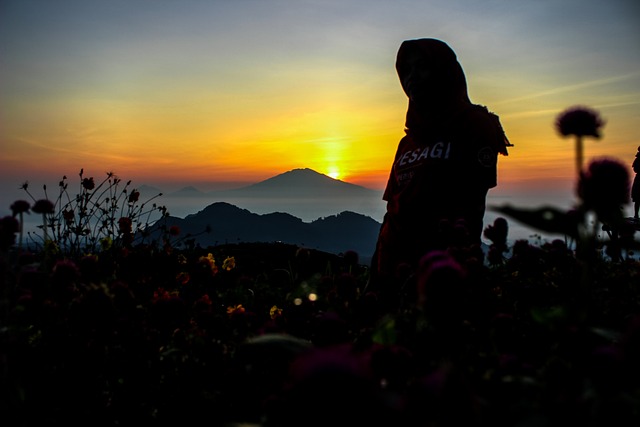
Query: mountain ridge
point(294, 182)
point(231, 224)
point(301, 182)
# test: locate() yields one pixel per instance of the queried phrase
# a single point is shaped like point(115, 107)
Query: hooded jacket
point(447, 160)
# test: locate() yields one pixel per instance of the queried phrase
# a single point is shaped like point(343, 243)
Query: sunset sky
point(213, 93)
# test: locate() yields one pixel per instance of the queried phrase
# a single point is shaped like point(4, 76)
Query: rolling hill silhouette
point(231, 224)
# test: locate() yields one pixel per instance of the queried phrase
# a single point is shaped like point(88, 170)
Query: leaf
point(545, 218)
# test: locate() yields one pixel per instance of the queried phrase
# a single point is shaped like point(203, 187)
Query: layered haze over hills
point(303, 193)
point(309, 196)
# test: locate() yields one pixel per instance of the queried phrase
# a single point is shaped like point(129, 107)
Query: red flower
point(160, 295)
point(174, 230)
point(124, 224)
point(183, 278)
point(205, 299)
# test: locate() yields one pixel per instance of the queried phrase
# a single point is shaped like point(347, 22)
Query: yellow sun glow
point(334, 172)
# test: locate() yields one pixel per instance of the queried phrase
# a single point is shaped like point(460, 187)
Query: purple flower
point(579, 121)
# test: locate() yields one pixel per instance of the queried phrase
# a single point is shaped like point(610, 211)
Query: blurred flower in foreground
point(604, 187)
point(20, 206)
point(43, 206)
point(8, 227)
point(229, 263)
point(275, 312)
point(208, 262)
point(125, 225)
point(183, 278)
point(498, 232)
point(579, 121)
point(238, 309)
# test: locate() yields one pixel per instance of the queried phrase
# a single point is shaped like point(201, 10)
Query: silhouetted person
point(635, 188)
point(443, 166)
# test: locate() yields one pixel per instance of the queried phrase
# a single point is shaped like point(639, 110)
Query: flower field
point(272, 334)
point(105, 325)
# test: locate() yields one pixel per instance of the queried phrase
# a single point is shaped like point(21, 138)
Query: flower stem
point(579, 155)
point(21, 231)
point(44, 224)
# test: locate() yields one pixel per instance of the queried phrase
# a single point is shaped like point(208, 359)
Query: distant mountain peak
point(188, 191)
point(302, 178)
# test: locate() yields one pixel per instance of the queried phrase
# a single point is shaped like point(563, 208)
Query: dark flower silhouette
point(579, 121)
point(134, 196)
point(43, 206)
point(68, 216)
point(9, 226)
point(498, 232)
point(604, 186)
point(88, 184)
point(124, 225)
point(19, 207)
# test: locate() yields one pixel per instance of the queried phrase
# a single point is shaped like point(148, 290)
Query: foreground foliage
point(280, 335)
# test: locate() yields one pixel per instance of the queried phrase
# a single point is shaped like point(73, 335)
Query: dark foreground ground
point(276, 335)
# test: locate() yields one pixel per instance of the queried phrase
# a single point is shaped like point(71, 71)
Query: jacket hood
point(444, 68)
